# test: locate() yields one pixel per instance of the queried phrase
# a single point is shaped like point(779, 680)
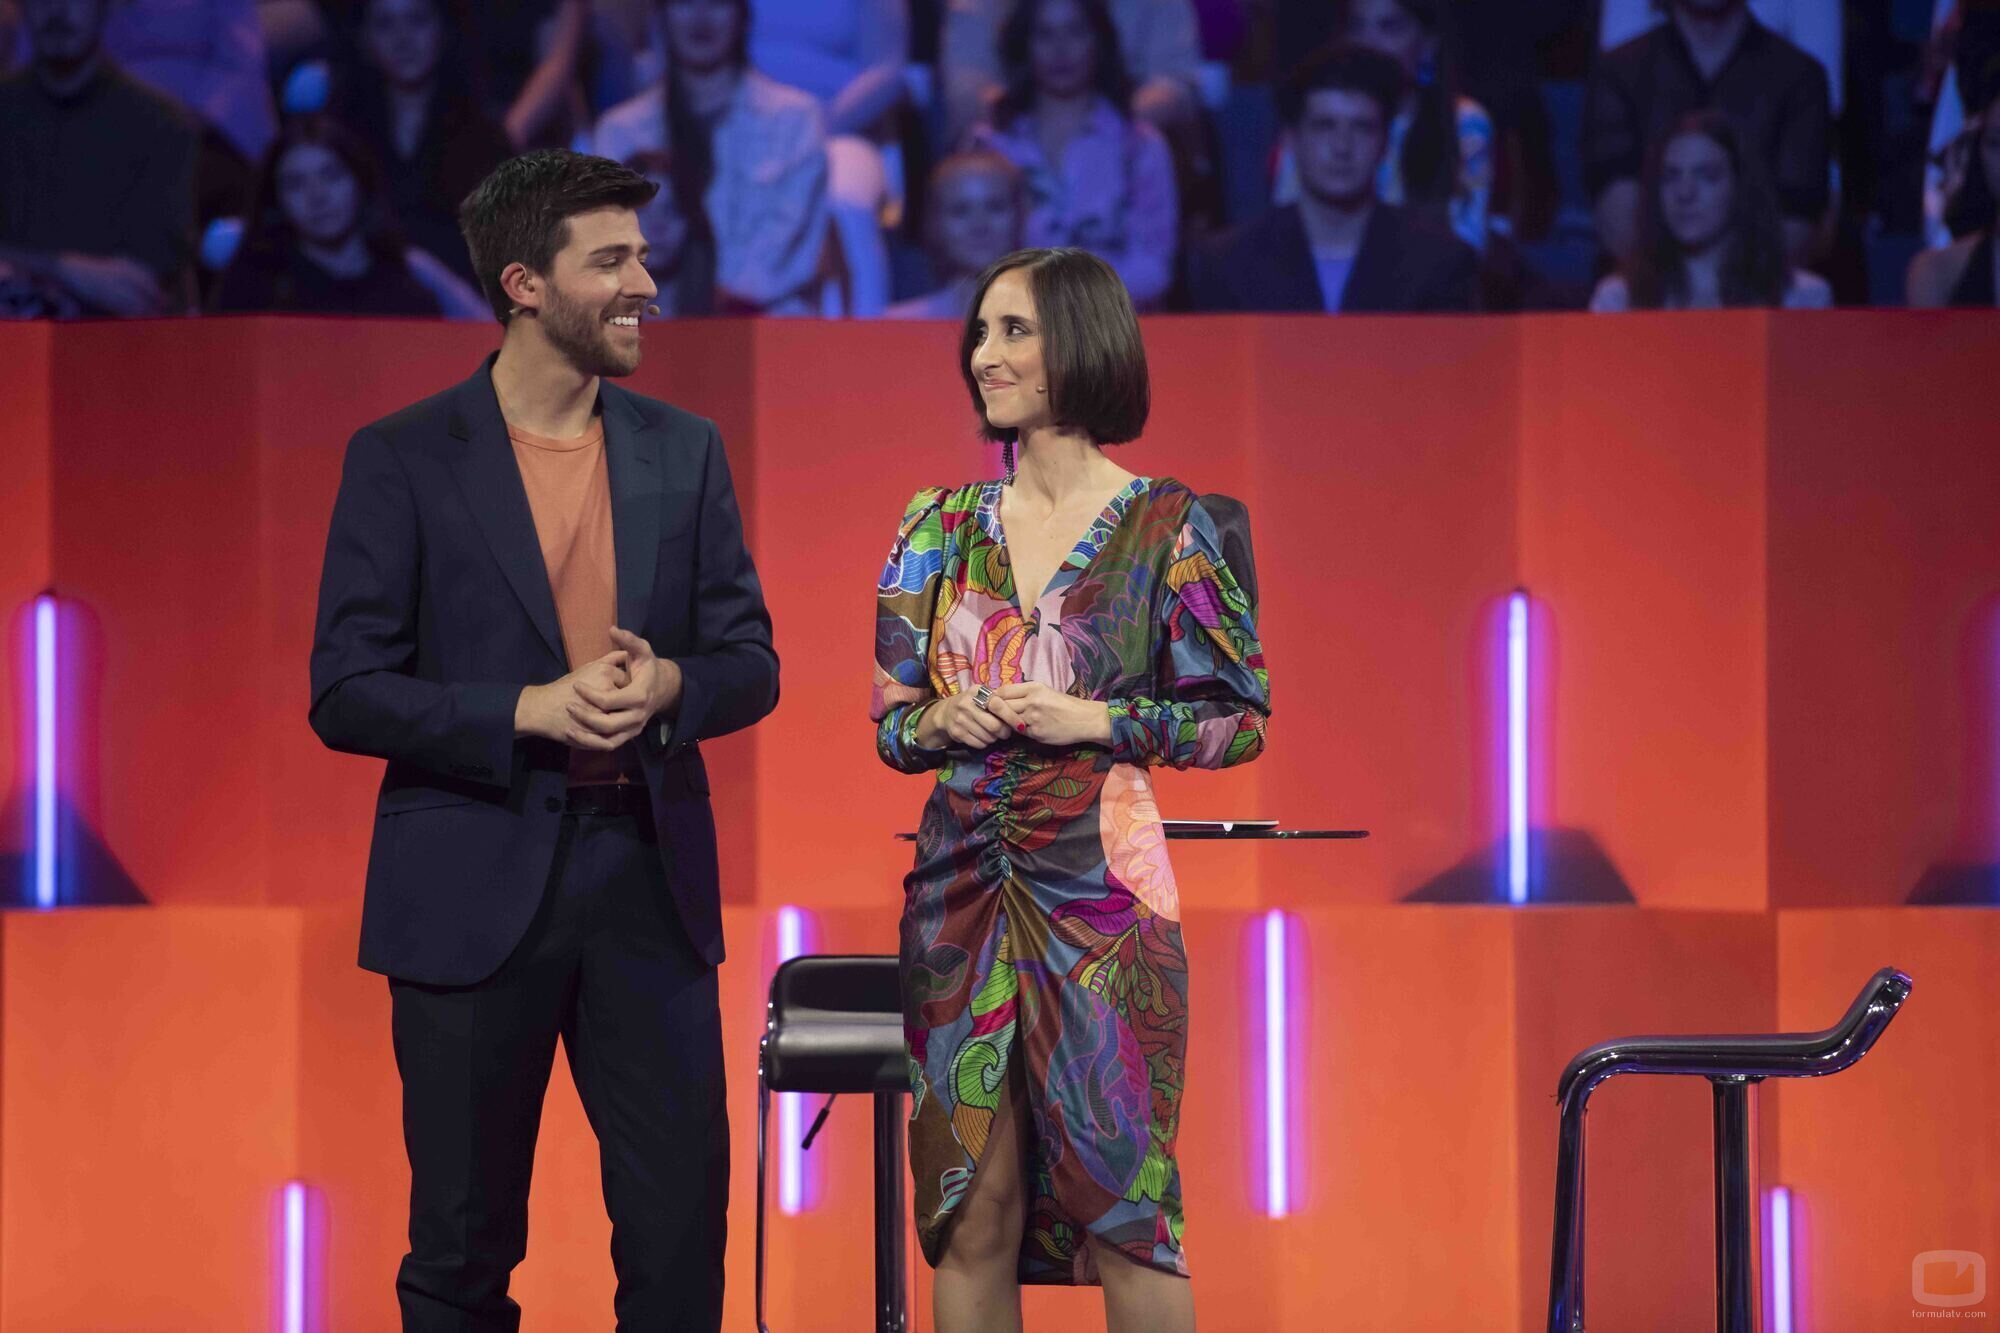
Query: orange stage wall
point(1762, 546)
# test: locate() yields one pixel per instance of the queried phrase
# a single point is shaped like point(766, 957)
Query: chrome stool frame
point(1731, 1064)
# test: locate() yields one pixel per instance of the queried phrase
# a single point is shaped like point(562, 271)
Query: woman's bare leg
point(976, 1287)
point(1139, 1299)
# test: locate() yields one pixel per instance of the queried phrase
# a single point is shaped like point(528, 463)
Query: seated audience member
point(681, 248)
point(1339, 249)
point(321, 237)
point(532, 53)
point(1096, 178)
point(1960, 64)
point(208, 55)
point(1964, 273)
point(1814, 26)
point(1440, 144)
point(977, 214)
point(847, 53)
point(1709, 234)
point(1159, 40)
point(11, 36)
point(1440, 157)
point(850, 55)
point(1490, 56)
point(751, 149)
point(96, 177)
point(1709, 53)
point(412, 104)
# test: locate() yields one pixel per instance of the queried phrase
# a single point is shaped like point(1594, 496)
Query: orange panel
point(1384, 454)
point(1642, 533)
point(1900, 1154)
point(156, 534)
point(836, 467)
point(150, 1068)
point(1408, 1218)
point(311, 388)
point(1232, 1248)
point(1885, 603)
point(350, 1136)
point(1585, 975)
point(25, 561)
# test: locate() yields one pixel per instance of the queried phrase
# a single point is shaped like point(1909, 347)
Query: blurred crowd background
point(867, 158)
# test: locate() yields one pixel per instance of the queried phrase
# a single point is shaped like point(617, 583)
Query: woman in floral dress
point(1044, 983)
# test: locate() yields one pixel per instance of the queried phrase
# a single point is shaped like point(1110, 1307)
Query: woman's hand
point(956, 720)
point(1052, 717)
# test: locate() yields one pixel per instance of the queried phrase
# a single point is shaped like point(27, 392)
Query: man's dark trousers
point(607, 966)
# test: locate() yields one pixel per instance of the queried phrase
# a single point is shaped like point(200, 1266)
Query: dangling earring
point(1007, 457)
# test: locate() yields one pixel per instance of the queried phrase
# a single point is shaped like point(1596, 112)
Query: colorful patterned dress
point(1041, 912)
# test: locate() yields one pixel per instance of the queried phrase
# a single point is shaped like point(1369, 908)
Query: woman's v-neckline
point(1082, 553)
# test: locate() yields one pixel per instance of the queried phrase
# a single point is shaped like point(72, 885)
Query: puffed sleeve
point(906, 604)
point(1212, 694)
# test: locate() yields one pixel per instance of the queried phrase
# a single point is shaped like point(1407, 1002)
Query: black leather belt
point(611, 798)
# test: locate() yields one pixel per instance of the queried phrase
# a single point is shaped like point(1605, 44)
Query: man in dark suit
point(1340, 249)
point(536, 603)
point(97, 174)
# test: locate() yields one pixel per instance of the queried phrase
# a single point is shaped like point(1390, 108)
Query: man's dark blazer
point(435, 610)
point(1405, 263)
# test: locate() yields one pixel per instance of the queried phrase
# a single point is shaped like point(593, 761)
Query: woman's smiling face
point(1007, 355)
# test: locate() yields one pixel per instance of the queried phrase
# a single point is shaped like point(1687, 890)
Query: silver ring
point(981, 696)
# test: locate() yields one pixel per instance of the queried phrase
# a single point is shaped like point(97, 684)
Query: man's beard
point(583, 337)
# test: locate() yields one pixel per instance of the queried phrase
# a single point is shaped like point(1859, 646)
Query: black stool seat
point(838, 1057)
point(834, 1025)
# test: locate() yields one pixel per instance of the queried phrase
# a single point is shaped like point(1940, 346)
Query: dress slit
point(1015, 1084)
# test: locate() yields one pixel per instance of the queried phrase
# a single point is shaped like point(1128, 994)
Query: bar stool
point(835, 1024)
point(1731, 1064)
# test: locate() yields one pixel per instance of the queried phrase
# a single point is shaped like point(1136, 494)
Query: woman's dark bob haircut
point(1091, 352)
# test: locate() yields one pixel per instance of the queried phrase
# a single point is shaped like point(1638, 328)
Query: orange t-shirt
point(569, 494)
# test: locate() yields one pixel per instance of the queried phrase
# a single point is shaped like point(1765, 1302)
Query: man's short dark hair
point(1343, 68)
point(520, 213)
point(1091, 352)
